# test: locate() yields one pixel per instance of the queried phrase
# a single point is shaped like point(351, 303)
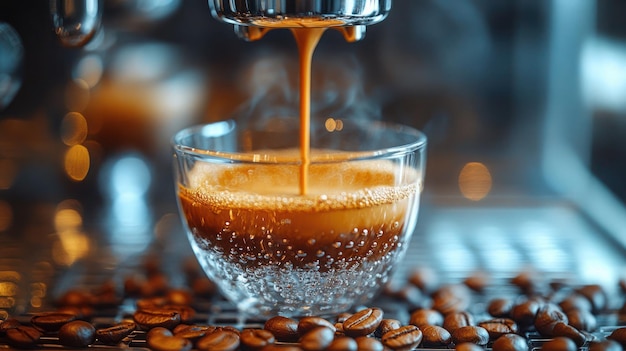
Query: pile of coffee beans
point(474, 314)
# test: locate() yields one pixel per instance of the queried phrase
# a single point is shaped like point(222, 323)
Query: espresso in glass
point(273, 250)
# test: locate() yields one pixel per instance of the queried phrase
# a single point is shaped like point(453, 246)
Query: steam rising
point(338, 88)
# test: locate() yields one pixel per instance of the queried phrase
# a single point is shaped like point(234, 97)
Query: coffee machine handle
point(252, 19)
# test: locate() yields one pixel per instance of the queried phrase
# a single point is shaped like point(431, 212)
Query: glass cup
point(275, 244)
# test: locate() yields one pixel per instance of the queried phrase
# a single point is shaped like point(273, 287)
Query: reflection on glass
point(75, 21)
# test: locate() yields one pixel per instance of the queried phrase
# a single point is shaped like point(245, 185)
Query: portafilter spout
point(253, 18)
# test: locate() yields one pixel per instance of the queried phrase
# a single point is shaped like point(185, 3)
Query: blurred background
point(523, 101)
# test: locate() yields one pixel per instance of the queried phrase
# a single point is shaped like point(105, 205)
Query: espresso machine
point(519, 100)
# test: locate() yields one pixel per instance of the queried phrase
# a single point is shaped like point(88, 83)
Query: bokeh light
point(89, 69)
point(77, 162)
point(475, 181)
point(333, 125)
point(73, 244)
point(73, 129)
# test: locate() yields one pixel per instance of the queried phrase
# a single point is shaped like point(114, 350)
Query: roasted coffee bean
point(366, 343)
point(435, 336)
point(498, 327)
point(547, 317)
point(151, 303)
point(284, 329)
point(604, 345)
point(255, 339)
point(510, 342)
point(562, 329)
point(471, 333)
point(425, 279)
point(524, 313)
point(477, 281)
point(343, 316)
point(343, 343)
point(187, 313)
point(156, 285)
point(423, 317)
point(75, 298)
point(403, 338)
point(456, 320)
point(180, 297)
point(387, 325)
point(412, 295)
point(51, 322)
point(582, 320)
point(596, 295)
point(311, 322)
point(150, 318)
point(575, 302)
point(7, 324)
point(192, 333)
point(230, 329)
point(115, 334)
point(528, 282)
point(363, 322)
point(219, 340)
point(339, 329)
point(618, 335)
point(80, 312)
point(203, 287)
point(559, 344)
point(23, 337)
point(77, 334)
point(451, 298)
point(317, 339)
point(468, 346)
point(162, 339)
point(500, 307)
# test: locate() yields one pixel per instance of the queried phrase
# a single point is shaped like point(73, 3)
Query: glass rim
point(218, 128)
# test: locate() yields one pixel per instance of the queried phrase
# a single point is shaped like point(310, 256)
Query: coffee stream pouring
point(253, 18)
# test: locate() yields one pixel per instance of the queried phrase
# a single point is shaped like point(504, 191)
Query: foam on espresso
point(254, 215)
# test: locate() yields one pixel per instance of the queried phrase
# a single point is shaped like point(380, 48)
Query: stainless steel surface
point(251, 19)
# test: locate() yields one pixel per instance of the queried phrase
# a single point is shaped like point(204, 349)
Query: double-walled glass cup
point(280, 235)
